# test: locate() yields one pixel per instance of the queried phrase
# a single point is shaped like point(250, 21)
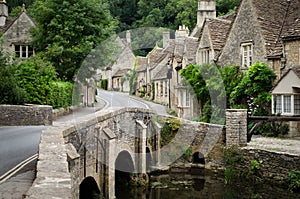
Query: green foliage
point(104, 84)
point(233, 157)
point(187, 153)
point(294, 180)
point(169, 130)
point(254, 166)
point(132, 82)
point(231, 76)
point(207, 84)
point(35, 76)
point(226, 6)
point(62, 94)
point(254, 89)
point(10, 92)
point(271, 129)
point(68, 30)
point(172, 112)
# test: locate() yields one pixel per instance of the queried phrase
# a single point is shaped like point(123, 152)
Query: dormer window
point(23, 51)
point(246, 51)
point(204, 55)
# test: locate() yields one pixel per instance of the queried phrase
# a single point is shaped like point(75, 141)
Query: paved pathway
point(291, 146)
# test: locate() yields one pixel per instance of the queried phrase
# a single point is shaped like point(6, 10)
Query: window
point(161, 88)
point(23, 51)
point(278, 104)
point(157, 89)
point(287, 108)
point(205, 56)
point(297, 104)
point(166, 88)
point(184, 98)
point(246, 54)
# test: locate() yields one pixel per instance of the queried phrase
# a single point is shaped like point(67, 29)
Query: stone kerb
point(28, 115)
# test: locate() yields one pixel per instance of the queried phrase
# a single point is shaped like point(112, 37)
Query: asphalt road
point(116, 99)
point(18, 143)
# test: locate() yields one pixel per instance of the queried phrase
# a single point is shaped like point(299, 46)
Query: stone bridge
point(85, 159)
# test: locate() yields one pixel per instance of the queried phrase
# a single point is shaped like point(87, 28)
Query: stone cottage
point(117, 72)
point(257, 34)
point(16, 32)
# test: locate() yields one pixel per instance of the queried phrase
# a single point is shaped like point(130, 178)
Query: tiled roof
point(292, 25)
point(190, 50)
point(277, 18)
point(156, 56)
point(218, 31)
point(121, 72)
point(162, 70)
point(8, 23)
point(179, 46)
point(142, 63)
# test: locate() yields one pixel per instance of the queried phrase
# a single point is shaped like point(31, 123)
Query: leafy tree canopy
point(68, 30)
point(253, 90)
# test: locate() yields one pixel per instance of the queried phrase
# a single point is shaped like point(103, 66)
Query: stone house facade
point(16, 32)
point(257, 34)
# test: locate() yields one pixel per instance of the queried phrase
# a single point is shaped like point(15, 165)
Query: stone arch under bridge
point(96, 144)
point(100, 144)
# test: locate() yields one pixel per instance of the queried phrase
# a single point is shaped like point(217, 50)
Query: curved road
point(116, 99)
point(20, 143)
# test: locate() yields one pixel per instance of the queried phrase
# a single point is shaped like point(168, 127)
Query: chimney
point(128, 37)
point(183, 31)
point(206, 9)
point(166, 39)
point(3, 12)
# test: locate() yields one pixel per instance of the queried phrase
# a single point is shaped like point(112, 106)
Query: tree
point(231, 76)
point(68, 30)
point(254, 89)
point(226, 6)
point(206, 82)
point(125, 11)
point(167, 13)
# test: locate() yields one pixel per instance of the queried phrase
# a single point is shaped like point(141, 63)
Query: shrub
point(10, 92)
point(62, 94)
point(294, 180)
point(35, 78)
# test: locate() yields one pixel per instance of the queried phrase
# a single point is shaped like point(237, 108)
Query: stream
point(205, 185)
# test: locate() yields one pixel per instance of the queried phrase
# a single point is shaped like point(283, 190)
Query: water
point(210, 186)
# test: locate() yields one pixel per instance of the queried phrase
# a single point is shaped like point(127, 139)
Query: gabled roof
point(218, 31)
point(179, 47)
point(156, 56)
point(142, 63)
point(292, 25)
point(276, 18)
point(296, 70)
point(190, 49)
point(121, 72)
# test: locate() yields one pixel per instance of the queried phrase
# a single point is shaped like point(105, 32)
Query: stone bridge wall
point(17, 115)
point(208, 139)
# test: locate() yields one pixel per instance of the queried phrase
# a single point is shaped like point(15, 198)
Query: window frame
point(247, 54)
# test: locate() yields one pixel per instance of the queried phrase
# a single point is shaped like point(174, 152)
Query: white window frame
point(283, 107)
point(24, 51)
point(205, 56)
point(184, 98)
point(247, 54)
